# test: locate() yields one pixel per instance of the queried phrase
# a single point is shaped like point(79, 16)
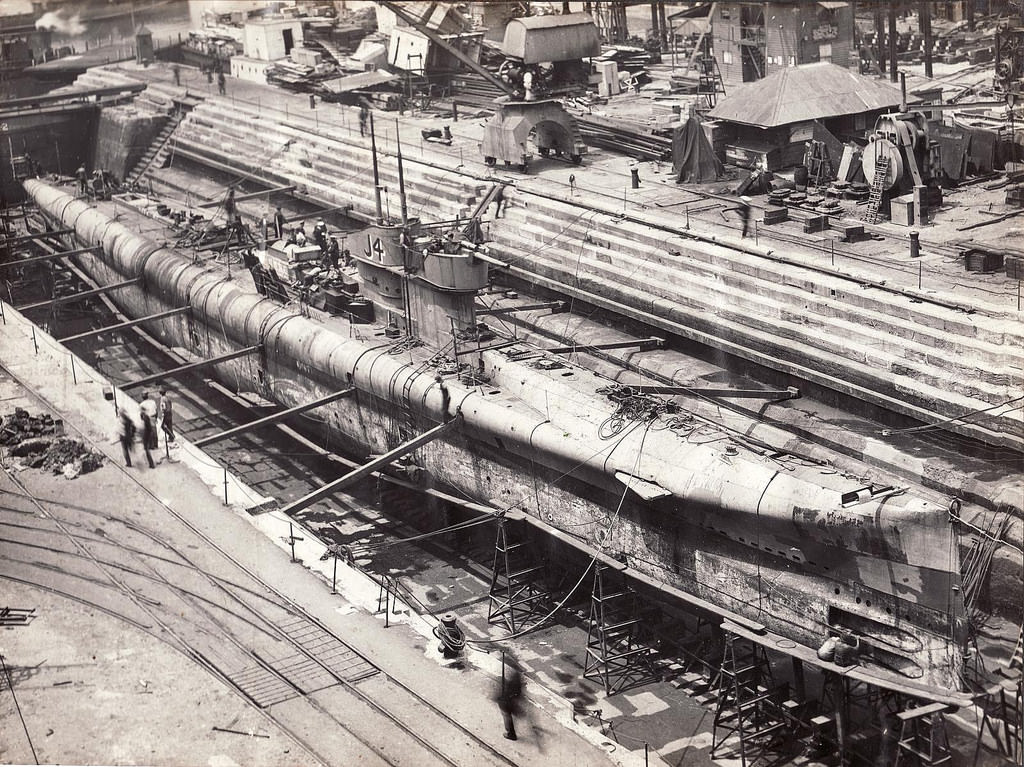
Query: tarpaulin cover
point(693, 160)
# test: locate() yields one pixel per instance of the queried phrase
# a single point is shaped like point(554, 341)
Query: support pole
point(924, 15)
point(368, 468)
point(893, 70)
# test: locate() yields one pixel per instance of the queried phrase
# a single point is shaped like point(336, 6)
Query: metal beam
point(191, 366)
point(35, 236)
point(790, 392)
point(557, 307)
point(642, 344)
point(475, 349)
point(369, 467)
point(272, 419)
point(128, 324)
point(250, 196)
point(51, 256)
point(78, 296)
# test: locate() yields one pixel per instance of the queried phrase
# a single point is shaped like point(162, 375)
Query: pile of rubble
point(40, 443)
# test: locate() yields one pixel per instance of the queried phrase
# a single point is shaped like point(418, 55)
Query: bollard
point(312, 101)
point(915, 245)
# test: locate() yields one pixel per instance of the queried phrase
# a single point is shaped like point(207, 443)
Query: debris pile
point(39, 440)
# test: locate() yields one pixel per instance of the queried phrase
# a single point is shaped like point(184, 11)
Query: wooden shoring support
point(50, 256)
point(191, 366)
point(514, 593)
point(127, 324)
point(369, 467)
point(250, 196)
point(78, 296)
point(642, 344)
point(556, 307)
point(272, 419)
point(35, 236)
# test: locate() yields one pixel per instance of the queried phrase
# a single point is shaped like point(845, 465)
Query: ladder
point(615, 655)
point(871, 214)
point(515, 593)
point(709, 79)
point(157, 151)
point(747, 709)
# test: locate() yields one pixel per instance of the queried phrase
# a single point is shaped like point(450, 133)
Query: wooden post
point(893, 70)
point(924, 12)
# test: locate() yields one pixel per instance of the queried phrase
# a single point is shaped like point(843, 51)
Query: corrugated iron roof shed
point(808, 92)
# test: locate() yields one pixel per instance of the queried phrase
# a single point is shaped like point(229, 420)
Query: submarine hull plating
point(737, 536)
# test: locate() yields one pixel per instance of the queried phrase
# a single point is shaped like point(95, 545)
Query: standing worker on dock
point(166, 415)
point(221, 83)
point(279, 222)
point(147, 411)
point(83, 180)
point(364, 116)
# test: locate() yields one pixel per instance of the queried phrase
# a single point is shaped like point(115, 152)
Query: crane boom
point(412, 21)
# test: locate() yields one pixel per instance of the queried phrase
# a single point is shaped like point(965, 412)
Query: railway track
point(194, 596)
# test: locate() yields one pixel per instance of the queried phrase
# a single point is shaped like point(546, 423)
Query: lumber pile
point(626, 137)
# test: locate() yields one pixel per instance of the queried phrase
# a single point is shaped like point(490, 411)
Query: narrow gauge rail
point(273, 665)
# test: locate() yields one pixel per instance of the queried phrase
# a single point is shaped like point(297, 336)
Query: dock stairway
point(158, 151)
point(871, 214)
point(517, 593)
point(749, 714)
point(618, 654)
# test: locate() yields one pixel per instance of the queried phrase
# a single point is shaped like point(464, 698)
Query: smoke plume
point(61, 22)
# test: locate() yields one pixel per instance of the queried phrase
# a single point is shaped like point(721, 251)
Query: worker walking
point(221, 83)
point(83, 180)
point(508, 694)
point(126, 435)
point(744, 209)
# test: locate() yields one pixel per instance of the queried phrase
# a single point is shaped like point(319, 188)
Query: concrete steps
point(157, 152)
point(915, 352)
point(339, 169)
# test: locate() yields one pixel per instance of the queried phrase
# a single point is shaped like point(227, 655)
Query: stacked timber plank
point(626, 137)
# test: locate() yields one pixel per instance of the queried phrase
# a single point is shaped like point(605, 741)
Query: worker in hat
point(320, 235)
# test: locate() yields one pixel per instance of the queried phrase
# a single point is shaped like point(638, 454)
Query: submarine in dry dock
point(771, 542)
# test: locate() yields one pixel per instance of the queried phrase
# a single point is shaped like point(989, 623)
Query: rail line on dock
point(217, 620)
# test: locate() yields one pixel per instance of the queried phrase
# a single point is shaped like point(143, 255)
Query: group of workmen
point(332, 256)
point(149, 412)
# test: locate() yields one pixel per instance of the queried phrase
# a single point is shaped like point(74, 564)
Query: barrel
point(800, 176)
